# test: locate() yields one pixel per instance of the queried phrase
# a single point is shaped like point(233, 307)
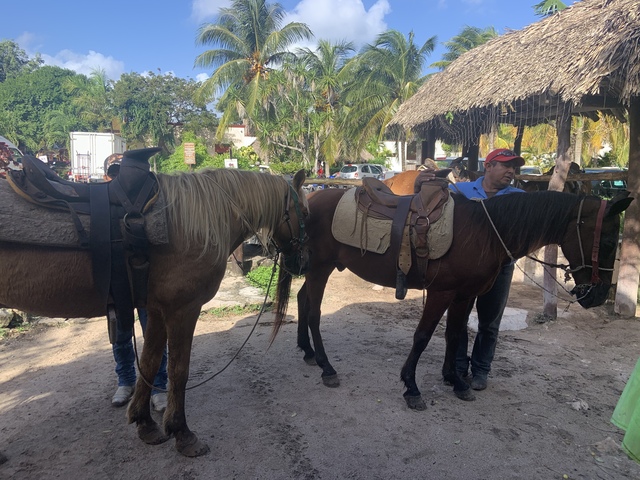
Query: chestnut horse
point(524, 222)
point(210, 213)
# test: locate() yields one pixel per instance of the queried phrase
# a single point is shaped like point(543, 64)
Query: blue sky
point(142, 35)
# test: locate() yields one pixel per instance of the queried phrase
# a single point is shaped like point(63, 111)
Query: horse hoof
point(192, 447)
point(151, 434)
point(331, 381)
point(466, 395)
point(310, 360)
point(415, 403)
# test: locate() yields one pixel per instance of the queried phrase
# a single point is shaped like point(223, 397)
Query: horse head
point(291, 237)
point(590, 244)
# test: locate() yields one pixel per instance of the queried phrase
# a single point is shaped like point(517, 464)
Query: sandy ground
point(545, 414)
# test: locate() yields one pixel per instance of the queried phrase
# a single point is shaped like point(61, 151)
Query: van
point(15, 152)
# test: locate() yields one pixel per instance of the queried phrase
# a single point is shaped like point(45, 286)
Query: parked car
point(356, 171)
point(530, 170)
point(15, 152)
point(606, 188)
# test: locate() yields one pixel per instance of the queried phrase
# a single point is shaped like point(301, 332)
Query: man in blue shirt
point(500, 169)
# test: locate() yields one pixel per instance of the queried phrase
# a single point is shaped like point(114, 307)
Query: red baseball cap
point(504, 155)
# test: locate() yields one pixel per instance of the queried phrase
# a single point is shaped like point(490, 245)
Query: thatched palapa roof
point(586, 57)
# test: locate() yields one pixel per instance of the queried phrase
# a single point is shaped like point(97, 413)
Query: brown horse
point(524, 222)
point(210, 213)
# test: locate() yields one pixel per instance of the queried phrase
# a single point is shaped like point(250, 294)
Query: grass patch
point(260, 276)
point(234, 310)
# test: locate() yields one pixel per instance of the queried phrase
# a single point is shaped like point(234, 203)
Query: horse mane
point(204, 207)
point(514, 214)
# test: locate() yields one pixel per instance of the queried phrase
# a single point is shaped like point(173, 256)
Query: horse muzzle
point(589, 295)
point(297, 262)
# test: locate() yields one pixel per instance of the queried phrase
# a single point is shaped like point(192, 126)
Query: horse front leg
point(139, 410)
point(304, 341)
point(315, 284)
point(434, 308)
point(457, 318)
point(180, 327)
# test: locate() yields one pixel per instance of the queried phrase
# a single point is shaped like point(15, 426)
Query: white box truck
point(88, 151)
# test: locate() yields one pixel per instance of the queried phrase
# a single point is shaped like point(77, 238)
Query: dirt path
point(545, 414)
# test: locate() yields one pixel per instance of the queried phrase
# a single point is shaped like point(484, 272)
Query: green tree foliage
point(152, 106)
point(14, 61)
point(251, 43)
point(30, 100)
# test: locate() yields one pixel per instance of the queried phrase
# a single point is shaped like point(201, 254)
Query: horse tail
point(283, 293)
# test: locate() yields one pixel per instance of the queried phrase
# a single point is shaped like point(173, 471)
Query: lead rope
point(253, 328)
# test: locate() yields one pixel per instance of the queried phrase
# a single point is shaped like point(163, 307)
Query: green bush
point(260, 276)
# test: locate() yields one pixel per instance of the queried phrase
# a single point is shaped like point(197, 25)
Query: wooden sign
point(189, 153)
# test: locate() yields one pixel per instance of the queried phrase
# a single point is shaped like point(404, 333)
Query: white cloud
point(337, 20)
point(86, 63)
point(202, 10)
point(83, 63)
point(201, 77)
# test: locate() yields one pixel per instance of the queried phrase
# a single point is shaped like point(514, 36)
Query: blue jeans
point(125, 358)
point(490, 308)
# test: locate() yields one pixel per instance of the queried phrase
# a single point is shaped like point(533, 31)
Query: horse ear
point(619, 204)
point(298, 179)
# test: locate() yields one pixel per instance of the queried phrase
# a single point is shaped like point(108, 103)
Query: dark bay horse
point(524, 222)
point(210, 213)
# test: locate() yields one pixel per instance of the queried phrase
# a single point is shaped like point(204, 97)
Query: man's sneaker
point(478, 382)
point(122, 396)
point(159, 401)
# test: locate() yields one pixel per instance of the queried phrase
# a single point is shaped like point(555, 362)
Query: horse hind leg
point(433, 310)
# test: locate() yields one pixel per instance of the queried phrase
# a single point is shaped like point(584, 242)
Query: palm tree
point(250, 43)
point(386, 74)
point(325, 73)
point(467, 39)
point(548, 7)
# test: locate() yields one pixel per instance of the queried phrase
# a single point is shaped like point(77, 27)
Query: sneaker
point(478, 382)
point(159, 401)
point(122, 396)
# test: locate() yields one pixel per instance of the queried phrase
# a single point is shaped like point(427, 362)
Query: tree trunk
point(563, 161)
point(577, 144)
point(627, 288)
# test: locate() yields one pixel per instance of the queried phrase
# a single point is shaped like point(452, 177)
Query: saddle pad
point(347, 228)
point(25, 222)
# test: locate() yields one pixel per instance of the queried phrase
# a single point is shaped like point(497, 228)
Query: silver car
point(356, 171)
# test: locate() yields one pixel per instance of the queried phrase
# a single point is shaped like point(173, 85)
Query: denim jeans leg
point(462, 357)
point(490, 308)
point(124, 357)
point(160, 380)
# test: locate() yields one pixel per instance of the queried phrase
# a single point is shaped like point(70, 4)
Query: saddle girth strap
point(397, 232)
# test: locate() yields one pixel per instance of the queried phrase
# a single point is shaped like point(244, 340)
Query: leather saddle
point(40, 184)
point(411, 215)
point(117, 253)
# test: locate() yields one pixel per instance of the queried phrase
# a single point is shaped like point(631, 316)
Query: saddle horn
point(134, 162)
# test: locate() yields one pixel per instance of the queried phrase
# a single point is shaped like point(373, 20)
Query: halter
point(302, 237)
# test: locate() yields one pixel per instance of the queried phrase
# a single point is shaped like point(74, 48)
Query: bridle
point(292, 251)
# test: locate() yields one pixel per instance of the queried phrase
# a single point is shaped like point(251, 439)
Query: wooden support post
point(627, 287)
point(563, 128)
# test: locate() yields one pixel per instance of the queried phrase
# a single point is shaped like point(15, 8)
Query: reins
point(235, 355)
point(595, 277)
